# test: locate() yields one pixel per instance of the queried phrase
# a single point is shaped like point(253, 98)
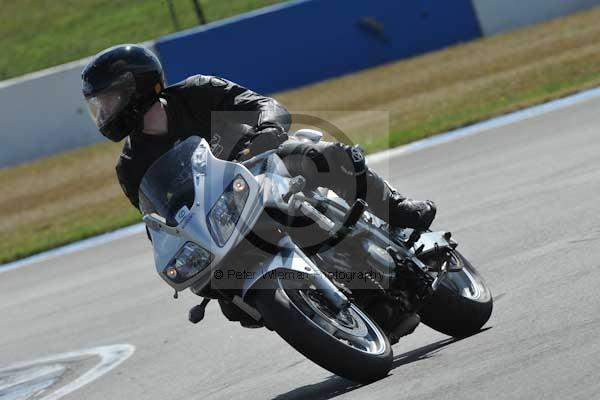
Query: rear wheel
point(462, 304)
point(346, 343)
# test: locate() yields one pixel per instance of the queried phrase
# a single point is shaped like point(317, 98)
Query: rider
point(126, 96)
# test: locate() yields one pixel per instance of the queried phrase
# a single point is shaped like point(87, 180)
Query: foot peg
point(406, 327)
point(196, 314)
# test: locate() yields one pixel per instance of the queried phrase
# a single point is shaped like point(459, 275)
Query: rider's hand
point(266, 138)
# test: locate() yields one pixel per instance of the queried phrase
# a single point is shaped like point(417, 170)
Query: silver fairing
point(211, 176)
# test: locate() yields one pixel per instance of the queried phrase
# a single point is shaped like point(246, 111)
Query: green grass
point(497, 101)
point(36, 34)
point(74, 195)
point(68, 230)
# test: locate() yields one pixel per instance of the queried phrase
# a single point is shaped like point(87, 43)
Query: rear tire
point(281, 310)
point(459, 314)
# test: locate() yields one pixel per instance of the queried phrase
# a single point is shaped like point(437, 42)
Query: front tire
point(349, 345)
point(462, 304)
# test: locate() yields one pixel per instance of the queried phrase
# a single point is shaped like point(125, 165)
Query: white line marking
point(231, 20)
point(74, 247)
point(56, 69)
point(29, 382)
point(436, 140)
point(110, 358)
point(487, 125)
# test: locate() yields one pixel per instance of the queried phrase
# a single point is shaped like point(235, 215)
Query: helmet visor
point(106, 105)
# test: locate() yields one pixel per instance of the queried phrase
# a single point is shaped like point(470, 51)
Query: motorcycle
point(330, 278)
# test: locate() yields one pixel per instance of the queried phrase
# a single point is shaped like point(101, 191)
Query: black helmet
point(120, 85)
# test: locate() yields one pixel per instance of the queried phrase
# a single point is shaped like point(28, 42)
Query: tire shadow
point(334, 386)
point(422, 353)
point(331, 387)
point(428, 351)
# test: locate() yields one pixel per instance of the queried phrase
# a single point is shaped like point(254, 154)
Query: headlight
point(224, 215)
point(188, 262)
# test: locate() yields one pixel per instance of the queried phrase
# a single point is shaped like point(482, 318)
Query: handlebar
point(254, 160)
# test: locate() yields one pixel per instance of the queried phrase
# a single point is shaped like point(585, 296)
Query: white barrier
point(501, 15)
point(44, 113)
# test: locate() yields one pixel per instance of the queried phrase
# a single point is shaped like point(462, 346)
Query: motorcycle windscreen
point(168, 184)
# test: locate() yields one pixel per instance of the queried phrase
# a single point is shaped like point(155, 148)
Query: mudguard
point(292, 259)
point(434, 240)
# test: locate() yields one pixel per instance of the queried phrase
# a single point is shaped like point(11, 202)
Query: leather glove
point(265, 138)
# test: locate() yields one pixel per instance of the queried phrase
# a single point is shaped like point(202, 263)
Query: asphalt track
point(522, 200)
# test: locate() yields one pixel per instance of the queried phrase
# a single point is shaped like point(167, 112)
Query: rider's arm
point(135, 161)
point(230, 103)
point(270, 119)
point(127, 174)
point(262, 111)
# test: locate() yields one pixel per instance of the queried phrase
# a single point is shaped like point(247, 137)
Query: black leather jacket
point(227, 115)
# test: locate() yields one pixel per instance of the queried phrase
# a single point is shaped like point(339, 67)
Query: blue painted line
point(471, 130)
point(344, 36)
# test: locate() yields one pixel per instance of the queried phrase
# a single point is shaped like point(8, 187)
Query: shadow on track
point(328, 389)
point(335, 386)
point(422, 353)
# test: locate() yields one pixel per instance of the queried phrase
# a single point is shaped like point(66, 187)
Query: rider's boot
point(234, 313)
point(407, 326)
point(396, 209)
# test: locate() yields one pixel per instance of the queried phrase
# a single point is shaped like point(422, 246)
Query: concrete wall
point(501, 15)
point(301, 42)
point(44, 113)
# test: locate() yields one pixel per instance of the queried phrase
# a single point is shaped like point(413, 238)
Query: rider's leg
point(393, 207)
point(342, 168)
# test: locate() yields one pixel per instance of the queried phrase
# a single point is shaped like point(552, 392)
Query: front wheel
point(346, 343)
point(462, 304)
